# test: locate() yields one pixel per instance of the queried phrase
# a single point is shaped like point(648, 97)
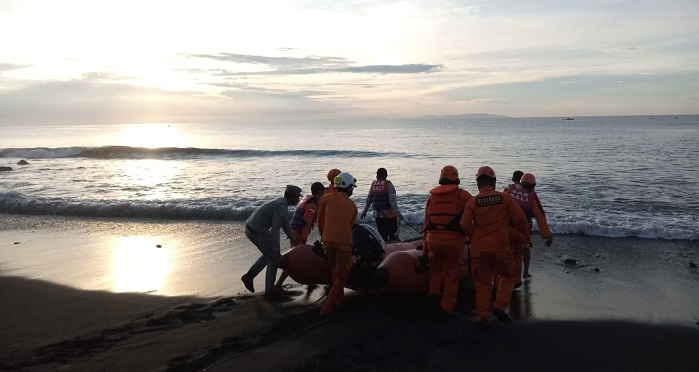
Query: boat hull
point(403, 270)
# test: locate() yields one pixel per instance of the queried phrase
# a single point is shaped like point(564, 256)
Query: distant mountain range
point(463, 116)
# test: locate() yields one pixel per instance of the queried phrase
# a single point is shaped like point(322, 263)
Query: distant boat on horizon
point(568, 119)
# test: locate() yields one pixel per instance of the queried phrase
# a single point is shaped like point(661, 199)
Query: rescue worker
point(303, 221)
point(262, 229)
point(336, 217)
point(519, 245)
point(485, 221)
point(331, 177)
point(443, 240)
point(516, 177)
point(382, 196)
point(530, 204)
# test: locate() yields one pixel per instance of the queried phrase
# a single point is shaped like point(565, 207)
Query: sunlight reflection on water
point(138, 265)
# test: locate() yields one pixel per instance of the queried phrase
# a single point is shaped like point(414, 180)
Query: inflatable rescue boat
point(398, 268)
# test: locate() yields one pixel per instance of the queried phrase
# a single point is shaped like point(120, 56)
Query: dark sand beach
point(624, 305)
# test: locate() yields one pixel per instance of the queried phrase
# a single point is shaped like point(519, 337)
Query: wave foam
point(127, 152)
point(13, 202)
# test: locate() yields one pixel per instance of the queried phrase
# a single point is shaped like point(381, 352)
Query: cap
point(345, 180)
point(517, 175)
point(317, 188)
point(449, 172)
point(485, 171)
point(528, 178)
point(293, 190)
point(333, 173)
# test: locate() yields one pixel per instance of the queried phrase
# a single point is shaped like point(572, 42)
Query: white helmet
point(345, 180)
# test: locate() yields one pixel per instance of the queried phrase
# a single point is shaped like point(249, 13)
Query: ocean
point(630, 176)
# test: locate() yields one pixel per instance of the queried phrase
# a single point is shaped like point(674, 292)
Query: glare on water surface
point(139, 265)
point(147, 178)
point(152, 135)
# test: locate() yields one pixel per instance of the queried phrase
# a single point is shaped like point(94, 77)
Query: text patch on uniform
point(485, 201)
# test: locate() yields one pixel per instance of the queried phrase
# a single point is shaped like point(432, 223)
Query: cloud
point(393, 69)
point(376, 69)
point(312, 65)
point(276, 61)
point(94, 102)
point(11, 67)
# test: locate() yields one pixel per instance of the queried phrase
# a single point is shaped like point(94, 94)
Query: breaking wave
point(178, 153)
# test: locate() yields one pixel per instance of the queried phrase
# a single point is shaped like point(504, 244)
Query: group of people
point(497, 225)
point(335, 214)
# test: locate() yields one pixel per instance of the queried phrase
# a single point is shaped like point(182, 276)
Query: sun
point(152, 135)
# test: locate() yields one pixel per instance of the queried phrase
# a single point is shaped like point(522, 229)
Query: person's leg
point(435, 274)
point(392, 229)
point(273, 256)
point(505, 267)
point(340, 257)
point(258, 265)
point(343, 267)
point(383, 228)
point(263, 242)
point(331, 253)
point(453, 257)
point(280, 282)
point(526, 258)
point(518, 244)
point(483, 276)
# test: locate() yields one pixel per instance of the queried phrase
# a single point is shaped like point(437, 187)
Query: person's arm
point(352, 220)
point(321, 217)
point(425, 221)
point(465, 195)
point(466, 222)
point(538, 202)
point(367, 205)
point(309, 216)
point(276, 225)
point(393, 200)
point(280, 220)
point(542, 224)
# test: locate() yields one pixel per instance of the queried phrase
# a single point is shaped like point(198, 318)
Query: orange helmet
point(332, 174)
point(449, 172)
point(485, 171)
point(528, 178)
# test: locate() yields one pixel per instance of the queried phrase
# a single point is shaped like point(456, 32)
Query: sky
point(219, 61)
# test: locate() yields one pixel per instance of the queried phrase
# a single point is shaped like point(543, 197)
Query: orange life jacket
point(445, 208)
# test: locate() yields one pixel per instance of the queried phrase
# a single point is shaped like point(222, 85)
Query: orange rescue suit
point(304, 218)
point(336, 216)
point(331, 189)
point(486, 219)
point(444, 240)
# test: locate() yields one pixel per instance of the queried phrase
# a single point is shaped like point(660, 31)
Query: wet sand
point(625, 305)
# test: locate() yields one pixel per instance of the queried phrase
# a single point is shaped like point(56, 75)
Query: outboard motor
point(367, 244)
point(368, 247)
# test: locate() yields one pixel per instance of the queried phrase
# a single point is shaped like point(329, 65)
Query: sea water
point(601, 176)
